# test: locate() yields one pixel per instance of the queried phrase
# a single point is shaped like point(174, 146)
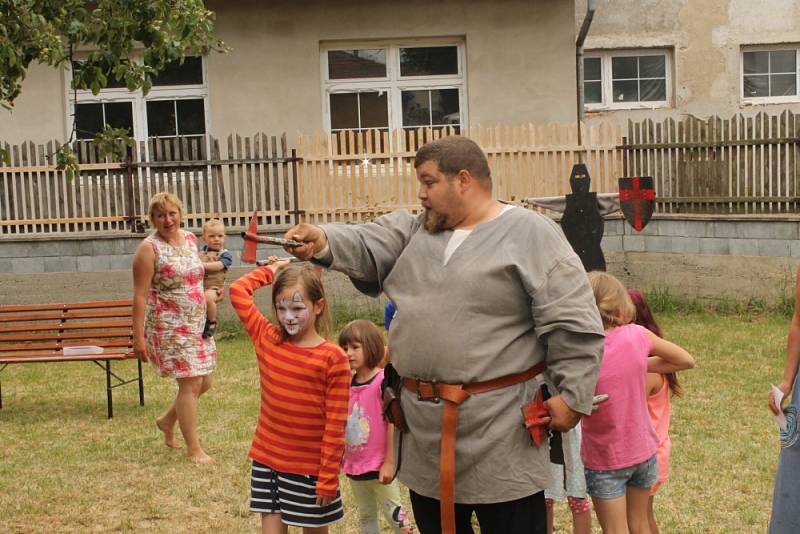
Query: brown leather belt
point(453, 395)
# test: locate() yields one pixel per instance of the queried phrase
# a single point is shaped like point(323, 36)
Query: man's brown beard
point(434, 222)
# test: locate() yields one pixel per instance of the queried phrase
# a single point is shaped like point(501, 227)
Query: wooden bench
point(99, 332)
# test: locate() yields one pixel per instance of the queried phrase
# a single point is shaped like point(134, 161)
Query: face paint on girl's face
point(293, 314)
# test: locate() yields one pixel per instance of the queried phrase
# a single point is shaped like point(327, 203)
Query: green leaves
point(116, 32)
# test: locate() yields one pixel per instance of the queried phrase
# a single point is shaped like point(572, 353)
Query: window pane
point(652, 67)
point(88, 120)
point(783, 85)
point(755, 86)
point(652, 90)
point(782, 61)
point(428, 61)
point(416, 108)
point(190, 73)
point(191, 117)
point(626, 91)
point(623, 67)
point(591, 69)
point(592, 93)
point(362, 63)
point(161, 118)
point(344, 111)
point(120, 115)
point(756, 62)
point(444, 106)
point(374, 110)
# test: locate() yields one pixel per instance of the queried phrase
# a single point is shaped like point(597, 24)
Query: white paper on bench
point(86, 349)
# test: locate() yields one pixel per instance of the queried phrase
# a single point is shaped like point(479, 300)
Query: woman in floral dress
point(169, 312)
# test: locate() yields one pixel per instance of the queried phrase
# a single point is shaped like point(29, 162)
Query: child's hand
point(324, 500)
point(386, 472)
point(277, 264)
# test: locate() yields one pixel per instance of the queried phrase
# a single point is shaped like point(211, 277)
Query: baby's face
point(214, 236)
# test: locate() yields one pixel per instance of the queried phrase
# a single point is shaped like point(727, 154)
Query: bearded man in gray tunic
point(483, 290)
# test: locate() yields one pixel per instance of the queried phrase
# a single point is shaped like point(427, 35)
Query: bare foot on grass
point(169, 434)
point(201, 458)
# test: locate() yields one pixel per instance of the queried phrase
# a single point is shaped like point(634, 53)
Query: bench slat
point(64, 326)
point(51, 357)
point(69, 306)
point(94, 334)
point(58, 346)
point(122, 312)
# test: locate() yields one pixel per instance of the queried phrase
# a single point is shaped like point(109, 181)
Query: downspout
point(587, 21)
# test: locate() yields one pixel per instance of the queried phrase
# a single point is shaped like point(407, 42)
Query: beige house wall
point(705, 36)
point(519, 62)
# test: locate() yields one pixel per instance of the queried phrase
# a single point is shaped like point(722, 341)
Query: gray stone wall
point(740, 258)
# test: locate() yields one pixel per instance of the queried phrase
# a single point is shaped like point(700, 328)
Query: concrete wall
point(697, 257)
point(706, 39)
point(519, 62)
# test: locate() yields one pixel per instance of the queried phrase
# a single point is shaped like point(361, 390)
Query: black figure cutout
point(582, 222)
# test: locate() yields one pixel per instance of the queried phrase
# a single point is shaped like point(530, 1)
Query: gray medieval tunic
point(512, 294)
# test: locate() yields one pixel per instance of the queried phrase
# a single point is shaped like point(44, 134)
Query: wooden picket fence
point(355, 176)
point(740, 165)
point(230, 182)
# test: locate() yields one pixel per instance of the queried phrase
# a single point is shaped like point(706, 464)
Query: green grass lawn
point(65, 468)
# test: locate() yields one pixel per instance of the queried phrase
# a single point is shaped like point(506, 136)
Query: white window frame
point(121, 94)
point(606, 83)
point(788, 99)
point(393, 82)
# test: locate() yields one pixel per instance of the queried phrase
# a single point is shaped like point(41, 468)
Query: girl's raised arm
point(667, 357)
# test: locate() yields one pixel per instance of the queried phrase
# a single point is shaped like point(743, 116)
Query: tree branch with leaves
point(127, 40)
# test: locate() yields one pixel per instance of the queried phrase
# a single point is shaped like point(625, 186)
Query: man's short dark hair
point(455, 153)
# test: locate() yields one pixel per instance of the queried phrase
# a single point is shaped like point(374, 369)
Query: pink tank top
point(365, 433)
point(659, 407)
point(619, 434)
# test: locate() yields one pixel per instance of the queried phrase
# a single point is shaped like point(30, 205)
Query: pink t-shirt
point(659, 407)
point(365, 433)
point(620, 433)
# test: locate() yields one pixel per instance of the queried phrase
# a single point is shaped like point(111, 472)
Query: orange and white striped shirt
point(304, 394)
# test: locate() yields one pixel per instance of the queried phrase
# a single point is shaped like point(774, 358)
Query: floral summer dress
point(176, 312)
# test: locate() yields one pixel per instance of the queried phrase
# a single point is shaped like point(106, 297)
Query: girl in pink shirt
point(660, 389)
point(619, 441)
point(369, 454)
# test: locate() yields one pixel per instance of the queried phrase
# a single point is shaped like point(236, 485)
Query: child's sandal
point(209, 329)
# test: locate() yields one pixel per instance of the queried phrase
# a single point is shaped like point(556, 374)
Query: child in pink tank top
point(619, 441)
point(660, 389)
point(369, 454)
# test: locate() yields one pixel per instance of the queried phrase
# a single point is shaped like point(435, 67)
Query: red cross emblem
point(637, 200)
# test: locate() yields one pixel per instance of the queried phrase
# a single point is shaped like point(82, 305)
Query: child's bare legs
point(315, 530)
point(638, 501)
point(581, 519)
point(651, 517)
point(612, 515)
point(581, 515)
point(211, 312)
point(272, 524)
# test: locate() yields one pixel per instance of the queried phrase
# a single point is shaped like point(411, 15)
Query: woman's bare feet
point(169, 433)
point(200, 457)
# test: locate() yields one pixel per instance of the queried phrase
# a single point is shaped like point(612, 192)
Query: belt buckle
point(434, 398)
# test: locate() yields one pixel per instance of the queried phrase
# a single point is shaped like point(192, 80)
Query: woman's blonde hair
point(310, 281)
point(613, 301)
point(160, 202)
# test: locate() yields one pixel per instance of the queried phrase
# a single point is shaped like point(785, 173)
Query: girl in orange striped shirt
point(305, 379)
